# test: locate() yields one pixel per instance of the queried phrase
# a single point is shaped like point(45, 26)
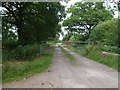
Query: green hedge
point(106, 32)
point(21, 53)
point(113, 49)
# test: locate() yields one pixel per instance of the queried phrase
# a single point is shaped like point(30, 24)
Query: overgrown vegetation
point(106, 33)
point(94, 53)
point(21, 53)
point(19, 70)
point(71, 57)
point(24, 26)
point(112, 49)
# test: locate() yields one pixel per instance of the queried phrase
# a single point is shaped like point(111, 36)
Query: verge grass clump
point(94, 53)
point(20, 71)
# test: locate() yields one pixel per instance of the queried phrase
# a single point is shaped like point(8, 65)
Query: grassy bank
point(19, 70)
point(94, 53)
point(71, 57)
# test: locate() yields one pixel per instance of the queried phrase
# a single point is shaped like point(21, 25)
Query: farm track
point(65, 73)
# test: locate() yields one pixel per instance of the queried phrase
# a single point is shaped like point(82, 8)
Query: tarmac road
point(65, 73)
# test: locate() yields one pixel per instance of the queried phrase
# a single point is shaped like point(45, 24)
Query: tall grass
point(20, 71)
point(111, 61)
point(94, 52)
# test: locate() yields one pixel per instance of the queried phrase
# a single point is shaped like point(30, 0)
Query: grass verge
point(71, 57)
point(94, 54)
point(111, 61)
point(20, 71)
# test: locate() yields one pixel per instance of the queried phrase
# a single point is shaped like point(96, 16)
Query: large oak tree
point(33, 21)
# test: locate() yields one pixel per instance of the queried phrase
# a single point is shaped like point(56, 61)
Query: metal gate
point(47, 47)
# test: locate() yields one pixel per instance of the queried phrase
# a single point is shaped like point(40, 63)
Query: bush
point(90, 48)
point(21, 53)
point(8, 45)
point(113, 49)
point(106, 33)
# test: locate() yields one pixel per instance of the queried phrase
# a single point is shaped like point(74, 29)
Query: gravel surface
point(65, 73)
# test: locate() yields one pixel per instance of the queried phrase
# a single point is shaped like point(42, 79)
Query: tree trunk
point(21, 34)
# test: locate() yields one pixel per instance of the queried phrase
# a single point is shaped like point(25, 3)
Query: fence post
point(40, 50)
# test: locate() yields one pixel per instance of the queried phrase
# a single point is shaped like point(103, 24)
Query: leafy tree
point(85, 16)
point(67, 37)
point(77, 37)
point(106, 33)
point(15, 16)
point(34, 21)
point(119, 5)
point(9, 38)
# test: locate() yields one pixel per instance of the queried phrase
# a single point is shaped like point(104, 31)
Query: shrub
point(113, 49)
point(91, 48)
point(106, 33)
point(21, 53)
point(8, 45)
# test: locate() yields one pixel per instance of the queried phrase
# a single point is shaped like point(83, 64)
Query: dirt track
point(83, 73)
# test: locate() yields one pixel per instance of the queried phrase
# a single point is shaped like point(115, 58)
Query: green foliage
point(33, 21)
point(94, 52)
point(67, 37)
point(113, 49)
point(85, 16)
point(106, 33)
point(111, 61)
point(20, 71)
point(77, 37)
point(9, 45)
point(27, 52)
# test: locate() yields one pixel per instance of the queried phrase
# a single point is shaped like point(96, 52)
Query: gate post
point(40, 50)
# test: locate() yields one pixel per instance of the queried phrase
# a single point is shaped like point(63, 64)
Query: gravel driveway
point(65, 73)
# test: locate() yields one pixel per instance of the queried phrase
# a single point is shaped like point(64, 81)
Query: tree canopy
point(85, 16)
point(32, 21)
point(106, 33)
